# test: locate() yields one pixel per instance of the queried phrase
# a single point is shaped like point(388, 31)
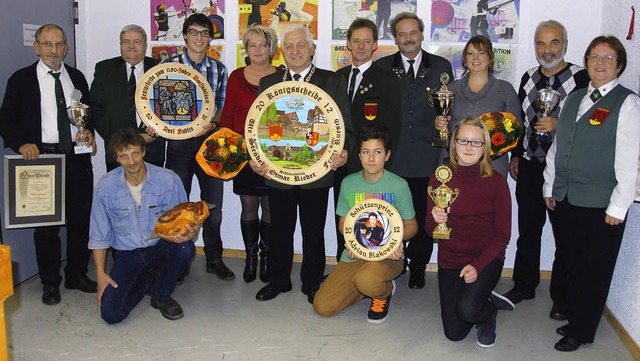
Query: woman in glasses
point(470, 261)
point(478, 92)
point(260, 43)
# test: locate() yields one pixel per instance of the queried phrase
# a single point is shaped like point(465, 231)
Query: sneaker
point(379, 309)
point(170, 308)
point(487, 332)
point(501, 302)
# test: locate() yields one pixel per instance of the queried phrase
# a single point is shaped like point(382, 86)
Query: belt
point(50, 148)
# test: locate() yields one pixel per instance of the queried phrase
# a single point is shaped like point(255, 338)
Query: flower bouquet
point(223, 154)
point(504, 130)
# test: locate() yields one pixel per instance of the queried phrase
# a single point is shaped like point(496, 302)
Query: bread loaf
point(174, 221)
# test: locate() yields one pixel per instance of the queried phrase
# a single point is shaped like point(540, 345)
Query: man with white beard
point(528, 163)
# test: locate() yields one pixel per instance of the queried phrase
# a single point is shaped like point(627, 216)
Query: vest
point(585, 153)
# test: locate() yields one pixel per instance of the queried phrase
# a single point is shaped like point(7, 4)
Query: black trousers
point(79, 192)
point(463, 305)
point(590, 247)
point(338, 177)
point(532, 215)
point(420, 247)
point(312, 205)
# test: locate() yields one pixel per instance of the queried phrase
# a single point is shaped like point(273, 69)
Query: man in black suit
point(298, 49)
point(33, 122)
point(416, 159)
point(113, 93)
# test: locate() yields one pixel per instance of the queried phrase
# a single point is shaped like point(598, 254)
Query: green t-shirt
point(390, 188)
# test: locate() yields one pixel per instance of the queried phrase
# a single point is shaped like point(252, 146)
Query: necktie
point(595, 95)
point(296, 77)
point(352, 83)
point(411, 74)
point(131, 90)
point(64, 130)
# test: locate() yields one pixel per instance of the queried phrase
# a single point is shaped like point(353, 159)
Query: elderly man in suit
point(311, 199)
point(416, 159)
point(113, 93)
point(33, 121)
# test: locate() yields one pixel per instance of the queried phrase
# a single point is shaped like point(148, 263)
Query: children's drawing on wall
point(167, 17)
point(378, 11)
point(504, 62)
point(278, 14)
point(459, 20)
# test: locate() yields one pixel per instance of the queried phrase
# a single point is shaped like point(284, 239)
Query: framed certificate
point(34, 191)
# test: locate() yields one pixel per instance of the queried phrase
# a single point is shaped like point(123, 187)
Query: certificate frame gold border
point(335, 123)
point(145, 110)
point(395, 223)
point(10, 191)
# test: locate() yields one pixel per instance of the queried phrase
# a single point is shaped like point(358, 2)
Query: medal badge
point(370, 111)
point(599, 116)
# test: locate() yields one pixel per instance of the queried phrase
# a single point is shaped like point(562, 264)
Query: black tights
point(250, 205)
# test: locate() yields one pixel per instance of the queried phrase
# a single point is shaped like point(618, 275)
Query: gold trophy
point(443, 196)
point(443, 103)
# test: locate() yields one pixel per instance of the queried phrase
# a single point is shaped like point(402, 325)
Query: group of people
point(578, 165)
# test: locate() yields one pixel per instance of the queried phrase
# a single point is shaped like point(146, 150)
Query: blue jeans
point(131, 272)
point(181, 158)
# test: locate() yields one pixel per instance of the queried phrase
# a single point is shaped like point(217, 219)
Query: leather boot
point(265, 238)
point(250, 234)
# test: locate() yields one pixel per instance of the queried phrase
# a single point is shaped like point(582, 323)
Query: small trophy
point(78, 114)
point(443, 103)
point(546, 101)
point(443, 197)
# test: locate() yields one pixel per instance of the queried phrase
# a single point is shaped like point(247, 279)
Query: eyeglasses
point(605, 58)
point(48, 44)
point(194, 32)
point(474, 143)
point(258, 46)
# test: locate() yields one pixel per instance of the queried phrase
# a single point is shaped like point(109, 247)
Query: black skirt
point(249, 183)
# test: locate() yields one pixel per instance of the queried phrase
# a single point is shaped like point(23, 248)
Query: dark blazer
point(335, 86)
point(379, 90)
point(415, 156)
point(20, 118)
point(110, 104)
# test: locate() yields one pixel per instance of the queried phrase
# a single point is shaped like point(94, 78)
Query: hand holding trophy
point(546, 101)
point(443, 103)
point(443, 197)
point(78, 114)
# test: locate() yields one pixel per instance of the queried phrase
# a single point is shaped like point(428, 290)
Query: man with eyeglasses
point(113, 94)
point(33, 121)
point(198, 32)
point(528, 162)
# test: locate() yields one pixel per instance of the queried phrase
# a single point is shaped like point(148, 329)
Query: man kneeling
point(126, 204)
point(354, 279)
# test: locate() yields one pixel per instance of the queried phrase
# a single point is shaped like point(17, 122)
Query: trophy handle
point(456, 193)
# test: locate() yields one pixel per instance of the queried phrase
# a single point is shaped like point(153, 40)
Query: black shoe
point(220, 270)
point(416, 278)
point(567, 344)
point(311, 296)
point(83, 284)
point(516, 296)
point(562, 330)
point(486, 334)
point(379, 309)
point(50, 295)
point(501, 302)
point(170, 308)
point(271, 291)
point(558, 313)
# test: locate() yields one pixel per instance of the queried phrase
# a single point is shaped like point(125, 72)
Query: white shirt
point(303, 73)
point(626, 152)
point(416, 64)
point(138, 72)
point(48, 107)
point(364, 67)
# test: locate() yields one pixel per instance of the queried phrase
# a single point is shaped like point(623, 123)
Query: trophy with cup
point(78, 114)
point(547, 99)
point(443, 197)
point(443, 103)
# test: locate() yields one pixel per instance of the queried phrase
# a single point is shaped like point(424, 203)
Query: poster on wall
point(163, 52)
point(241, 57)
point(378, 11)
point(504, 63)
point(278, 14)
point(341, 56)
point(167, 17)
point(459, 20)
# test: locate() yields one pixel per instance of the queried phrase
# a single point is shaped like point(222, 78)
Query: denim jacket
point(117, 222)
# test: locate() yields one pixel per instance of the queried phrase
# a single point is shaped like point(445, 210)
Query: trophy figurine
point(78, 114)
point(443, 103)
point(443, 197)
point(547, 99)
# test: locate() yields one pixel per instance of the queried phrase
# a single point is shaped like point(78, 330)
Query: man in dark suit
point(113, 93)
point(298, 49)
point(416, 159)
point(33, 122)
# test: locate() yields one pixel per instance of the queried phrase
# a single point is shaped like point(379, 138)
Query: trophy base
point(82, 149)
point(442, 234)
point(440, 142)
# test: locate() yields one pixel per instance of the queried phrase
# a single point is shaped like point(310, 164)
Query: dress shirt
point(48, 107)
point(364, 67)
point(138, 72)
point(303, 74)
point(416, 65)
